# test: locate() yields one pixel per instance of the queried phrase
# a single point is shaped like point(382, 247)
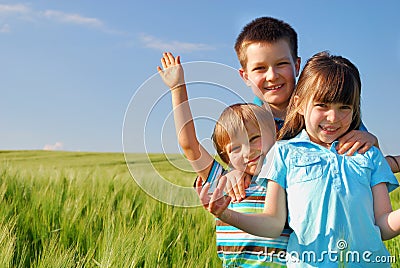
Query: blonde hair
point(235, 119)
point(328, 79)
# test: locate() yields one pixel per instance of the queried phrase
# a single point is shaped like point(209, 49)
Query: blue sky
point(70, 69)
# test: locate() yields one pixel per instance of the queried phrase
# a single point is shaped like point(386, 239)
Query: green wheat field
point(73, 209)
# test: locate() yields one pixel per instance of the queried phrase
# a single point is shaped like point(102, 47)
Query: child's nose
point(332, 115)
point(271, 74)
point(246, 150)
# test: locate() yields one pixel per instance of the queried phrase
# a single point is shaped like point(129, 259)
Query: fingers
point(239, 190)
point(199, 185)
point(239, 187)
point(203, 194)
point(237, 182)
point(356, 141)
point(354, 148)
point(345, 143)
point(168, 60)
point(229, 189)
point(350, 147)
point(218, 202)
point(345, 147)
point(365, 148)
point(222, 183)
point(247, 182)
point(233, 190)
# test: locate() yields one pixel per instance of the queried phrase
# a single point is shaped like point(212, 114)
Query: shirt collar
point(304, 137)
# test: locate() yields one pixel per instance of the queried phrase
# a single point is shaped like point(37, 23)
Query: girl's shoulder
point(372, 153)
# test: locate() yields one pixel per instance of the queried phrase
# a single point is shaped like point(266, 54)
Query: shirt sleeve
point(216, 171)
point(381, 171)
point(274, 168)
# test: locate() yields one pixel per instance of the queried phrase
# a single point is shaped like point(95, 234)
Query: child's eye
point(283, 63)
point(322, 105)
point(259, 68)
point(346, 107)
point(254, 138)
point(235, 148)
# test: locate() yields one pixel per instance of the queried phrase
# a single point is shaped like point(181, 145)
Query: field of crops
point(70, 209)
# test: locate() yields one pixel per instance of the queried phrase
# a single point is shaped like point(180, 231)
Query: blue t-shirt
point(330, 202)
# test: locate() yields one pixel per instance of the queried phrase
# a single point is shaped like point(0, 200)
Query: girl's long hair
point(327, 79)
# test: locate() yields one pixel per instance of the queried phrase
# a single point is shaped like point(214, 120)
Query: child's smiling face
point(247, 150)
point(326, 122)
point(271, 72)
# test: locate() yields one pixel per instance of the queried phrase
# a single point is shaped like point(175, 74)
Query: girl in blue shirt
point(337, 205)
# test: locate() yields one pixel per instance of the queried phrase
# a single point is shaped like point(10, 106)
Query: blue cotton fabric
point(330, 202)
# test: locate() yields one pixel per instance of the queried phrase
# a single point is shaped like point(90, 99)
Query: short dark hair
point(267, 30)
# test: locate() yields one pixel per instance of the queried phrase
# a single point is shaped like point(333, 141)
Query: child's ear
point(243, 74)
point(296, 100)
point(297, 66)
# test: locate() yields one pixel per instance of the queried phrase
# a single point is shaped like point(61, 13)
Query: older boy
point(267, 51)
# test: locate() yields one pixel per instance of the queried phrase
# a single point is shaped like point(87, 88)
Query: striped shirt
point(237, 248)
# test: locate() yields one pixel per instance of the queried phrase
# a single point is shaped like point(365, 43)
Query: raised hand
point(171, 71)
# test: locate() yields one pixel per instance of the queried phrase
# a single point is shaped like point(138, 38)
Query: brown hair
point(234, 119)
point(328, 79)
point(265, 29)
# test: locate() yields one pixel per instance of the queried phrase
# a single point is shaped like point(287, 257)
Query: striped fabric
point(237, 248)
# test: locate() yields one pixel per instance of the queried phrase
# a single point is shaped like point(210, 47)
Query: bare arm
point(387, 219)
point(173, 76)
point(394, 162)
point(270, 223)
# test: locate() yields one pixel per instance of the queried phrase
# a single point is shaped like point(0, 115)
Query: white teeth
point(328, 128)
point(276, 87)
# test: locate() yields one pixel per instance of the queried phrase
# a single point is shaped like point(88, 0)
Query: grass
point(61, 209)
point(69, 209)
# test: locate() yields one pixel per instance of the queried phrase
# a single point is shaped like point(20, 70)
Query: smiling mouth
point(253, 160)
point(329, 129)
point(274, 87)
